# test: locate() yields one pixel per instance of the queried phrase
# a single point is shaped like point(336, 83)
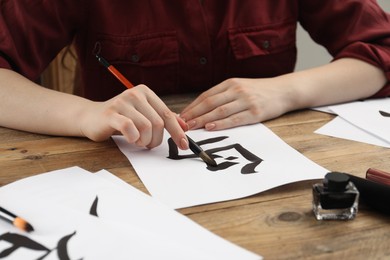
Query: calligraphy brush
point(15, 220)
point(195, 148)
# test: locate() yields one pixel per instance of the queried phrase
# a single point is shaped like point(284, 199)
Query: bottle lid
point(336, 181)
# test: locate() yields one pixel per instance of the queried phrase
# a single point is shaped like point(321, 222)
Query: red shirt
point(179, 46)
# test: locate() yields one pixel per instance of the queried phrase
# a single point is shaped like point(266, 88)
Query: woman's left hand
point(236, 102)
point(239, 101)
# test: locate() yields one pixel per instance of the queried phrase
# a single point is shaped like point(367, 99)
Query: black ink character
point(246, 169)
point(93, 209)
point(20, 241)
point(383, 113)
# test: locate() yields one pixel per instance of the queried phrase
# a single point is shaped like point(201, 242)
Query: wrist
point(85, 119)
point(292, 94)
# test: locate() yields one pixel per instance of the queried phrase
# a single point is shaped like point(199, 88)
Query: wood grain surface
point(277, 224)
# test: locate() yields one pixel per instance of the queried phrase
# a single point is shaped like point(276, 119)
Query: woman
point(240, 54)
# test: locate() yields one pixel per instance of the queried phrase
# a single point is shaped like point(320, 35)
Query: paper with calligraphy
point(363, 121)
point(250, 159)
point(80, 215)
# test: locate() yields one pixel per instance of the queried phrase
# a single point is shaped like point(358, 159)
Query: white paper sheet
point(372, 116)
point(324, 109)
point(341, 128)
point(128, 225)
point(172, 224)
point(188, 182)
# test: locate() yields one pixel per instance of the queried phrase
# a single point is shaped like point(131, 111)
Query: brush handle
point(195, 148)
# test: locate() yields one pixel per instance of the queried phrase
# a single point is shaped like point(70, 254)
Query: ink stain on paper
point(17, 241)
point(384, 114)
point(249, 168)
point(93, 209)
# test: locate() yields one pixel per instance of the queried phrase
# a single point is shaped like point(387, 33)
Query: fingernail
point(210, 126)
point(191, 124)
point(183, 144)
point(182, 124)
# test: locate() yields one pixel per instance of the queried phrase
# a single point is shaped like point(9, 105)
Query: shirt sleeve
point(350, 28)
point(33, 32)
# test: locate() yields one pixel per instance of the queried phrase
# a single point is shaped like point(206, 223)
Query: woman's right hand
point(138, 114)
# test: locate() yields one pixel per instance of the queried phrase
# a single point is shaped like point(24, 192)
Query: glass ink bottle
point(335, 198)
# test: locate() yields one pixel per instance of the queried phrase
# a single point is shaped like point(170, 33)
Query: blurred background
point(314, 54)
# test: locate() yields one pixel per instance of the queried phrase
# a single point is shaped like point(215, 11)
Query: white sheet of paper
point(324, 109)
point(170, 223)
point(188, 182)
point(341, 128)
point(89, 238)
point(366, 115)
point(129, 224)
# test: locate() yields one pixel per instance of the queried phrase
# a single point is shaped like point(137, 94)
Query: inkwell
point(336, 198)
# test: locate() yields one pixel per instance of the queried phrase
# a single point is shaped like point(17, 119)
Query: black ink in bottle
point(335, 198)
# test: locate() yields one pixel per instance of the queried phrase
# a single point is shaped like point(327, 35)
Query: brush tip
point(23, 225)
point(28, 227)
point(208, 159)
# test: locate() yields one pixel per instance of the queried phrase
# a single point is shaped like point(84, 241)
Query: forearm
point(340, 81)
point(27, 106)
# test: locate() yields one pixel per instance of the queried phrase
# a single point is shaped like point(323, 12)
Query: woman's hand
point(237, 102)
point(138, 114)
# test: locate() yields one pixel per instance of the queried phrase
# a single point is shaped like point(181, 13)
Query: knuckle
point(115, 104)
point(144, 126)
point(126, 128)
point(208, 102)
point(222, 111)
point(255, 111)
point(240, 90)
point(254, 107)
point(167, 114)
point(157, 123)
point(233, 81)
point(133, 95)
point(202, 96)
point(236, 120)
point(145, 89)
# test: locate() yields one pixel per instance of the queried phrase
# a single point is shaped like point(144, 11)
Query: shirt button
point(135, 58)
point(203, 60)
point(266, 45)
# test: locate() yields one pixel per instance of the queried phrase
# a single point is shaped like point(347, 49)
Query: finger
point(125, 126)
point(220, 112)
point(182, 123)
point(174, 128)
point(135, 106)
point(170, 120)
point(209, 105)
point(134, 119)
point(154, 131)
point(238, 119)
point(209, 93)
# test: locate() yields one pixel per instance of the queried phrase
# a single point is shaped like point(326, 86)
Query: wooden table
point(277, 224)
